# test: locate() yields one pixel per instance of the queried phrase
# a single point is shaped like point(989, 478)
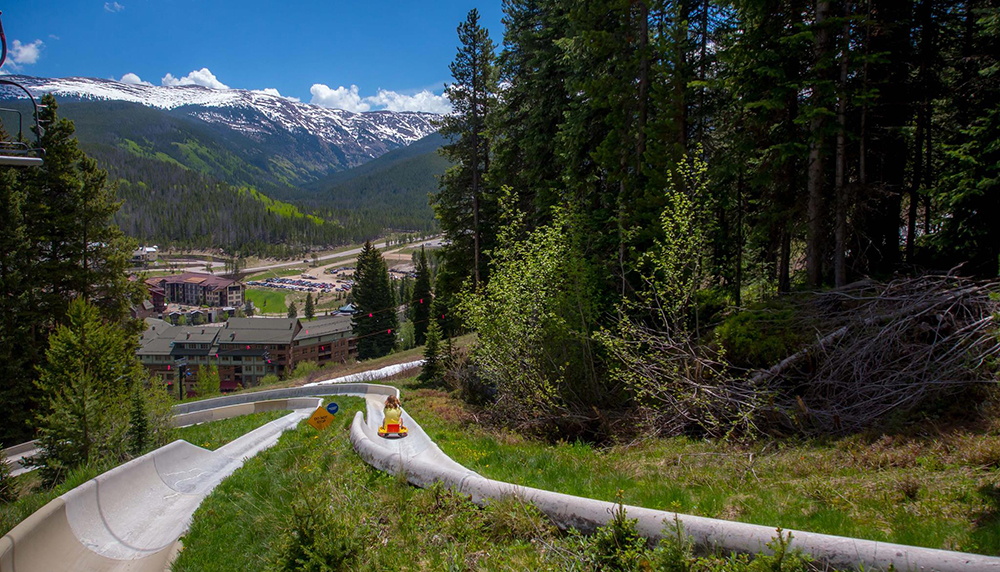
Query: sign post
point(320, 419)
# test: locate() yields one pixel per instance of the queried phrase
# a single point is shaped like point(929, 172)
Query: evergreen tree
point(463, 206)
point(57, 227)
point(310, 308)
point(89, 370)
point(293, 311)
point(375, 321)
point(420, 301)
point(433, 368)
point(138, 426)
point(20, 338)
point(208, 381)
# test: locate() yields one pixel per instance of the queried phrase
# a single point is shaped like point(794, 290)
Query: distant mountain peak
point(255, 114)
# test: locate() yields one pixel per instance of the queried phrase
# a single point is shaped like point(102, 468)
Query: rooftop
point(262, 324)
point(206, 280)
point(324, 326)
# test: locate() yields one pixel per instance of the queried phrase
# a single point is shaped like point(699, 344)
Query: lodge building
point(245, 349)
point(197, 289)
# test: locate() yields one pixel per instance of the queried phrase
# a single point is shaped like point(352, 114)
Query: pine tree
point(89, 370)
point(57, 227)
point(208, 381)
point(432, 368)
point(293, 311)
point(19, 339)
point(463, 207)
point(310, 309)
point(138, 426)
point(375, 320)
point(420, 300)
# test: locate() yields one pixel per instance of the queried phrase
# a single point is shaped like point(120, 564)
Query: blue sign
point(332, 408)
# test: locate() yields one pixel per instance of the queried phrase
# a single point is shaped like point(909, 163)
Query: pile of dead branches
point(880, 349)
point(900, 346)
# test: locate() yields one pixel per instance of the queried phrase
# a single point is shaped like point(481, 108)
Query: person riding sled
point(392, 419)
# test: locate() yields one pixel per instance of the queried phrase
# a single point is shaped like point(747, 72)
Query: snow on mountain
point(254, 113)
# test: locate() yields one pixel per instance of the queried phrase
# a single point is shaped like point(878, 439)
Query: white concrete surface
point(372, 375)
point(130, 518)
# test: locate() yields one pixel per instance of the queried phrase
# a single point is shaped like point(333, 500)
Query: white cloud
point(344, 98)
point(26, 53)
point(133, 79)
point(274, 92)
point(422, 101)
point(113, 7)
point(54, 37)
point(350, 99)
point(202, 77)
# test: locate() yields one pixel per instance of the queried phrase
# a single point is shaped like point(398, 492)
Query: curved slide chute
point(130, 518)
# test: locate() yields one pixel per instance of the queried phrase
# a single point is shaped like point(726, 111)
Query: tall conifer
point(420, 301)
point(375, 320)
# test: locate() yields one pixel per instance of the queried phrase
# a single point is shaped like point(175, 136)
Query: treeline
point(641, 162)
point(60, 250)
point(168, 205)
point(846, 137)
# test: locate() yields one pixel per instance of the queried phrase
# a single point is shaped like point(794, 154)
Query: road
point(432, 242)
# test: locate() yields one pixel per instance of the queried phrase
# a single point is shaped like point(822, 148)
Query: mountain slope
point(238, 136)
point(429, 144)
point(392, 189)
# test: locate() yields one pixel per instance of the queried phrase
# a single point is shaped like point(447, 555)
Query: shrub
point(617, 546)
point(208, 381)
point(269, 379)
point(317, 541)
point(8, 485)
point(304, 368)
point(758, 338)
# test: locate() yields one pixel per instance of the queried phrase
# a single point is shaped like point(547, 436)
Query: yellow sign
point(320, 419)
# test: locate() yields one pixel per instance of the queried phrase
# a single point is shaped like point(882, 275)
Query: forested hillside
point(188, 183)
point(168, 205)
point(392, 190)
point(639, 188)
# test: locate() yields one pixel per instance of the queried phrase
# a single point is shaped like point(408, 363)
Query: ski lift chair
point(18, 152)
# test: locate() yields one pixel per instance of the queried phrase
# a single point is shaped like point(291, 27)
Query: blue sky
point(396, 53)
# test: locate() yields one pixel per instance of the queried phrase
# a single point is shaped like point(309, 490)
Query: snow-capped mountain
point(348, 138)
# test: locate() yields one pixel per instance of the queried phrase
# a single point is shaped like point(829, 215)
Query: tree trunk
point(814, 210)
point(840, 216)
point(640, 148)
point(475, 168)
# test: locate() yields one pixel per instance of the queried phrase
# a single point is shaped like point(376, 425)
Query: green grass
point(312, 489)
point(267, 301)
point(215, 434)
point(309, 503)
point(941, 492)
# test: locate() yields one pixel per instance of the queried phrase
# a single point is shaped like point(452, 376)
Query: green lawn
point(939, 492)
point(267, 301)
point(215, 434)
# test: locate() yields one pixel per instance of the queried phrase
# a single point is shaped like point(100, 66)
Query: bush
point(208, 381)
point(759, 338)
point(617, 546)
point(269, 379)
point(8, 485)
point(317, 541)
point(305, 368)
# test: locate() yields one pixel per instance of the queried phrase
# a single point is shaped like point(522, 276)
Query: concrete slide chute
point(131, 517)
